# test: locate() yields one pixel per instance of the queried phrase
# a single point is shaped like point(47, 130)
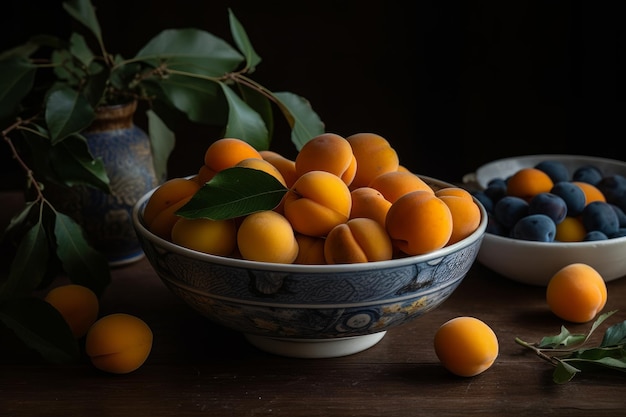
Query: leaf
point(243, 122)
point(564, 372)
point(201, 100)
point(79, 49)
point(615, 335)
point(41, 328)
point(565, 338)
point(243, 42)
point(192, 51)
point(67, 112)
point(81, 262)
point(162, 140)
point(19, 220)
point(83, 11)
point(305, 123)
point(260, 104)
point(234, 192)
point(17, 76)
point(74, 165)
point(25, 275)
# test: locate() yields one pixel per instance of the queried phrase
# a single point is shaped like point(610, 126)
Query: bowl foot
point(315, 348)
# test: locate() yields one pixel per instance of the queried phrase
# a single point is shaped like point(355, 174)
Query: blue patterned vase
point(126, 153)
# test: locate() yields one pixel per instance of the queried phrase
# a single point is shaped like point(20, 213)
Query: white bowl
point(310, 311)
point(535, 262)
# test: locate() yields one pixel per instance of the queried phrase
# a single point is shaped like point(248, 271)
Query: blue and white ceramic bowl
point(310, 311)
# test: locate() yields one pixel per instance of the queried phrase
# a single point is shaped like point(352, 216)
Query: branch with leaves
point(570, 355)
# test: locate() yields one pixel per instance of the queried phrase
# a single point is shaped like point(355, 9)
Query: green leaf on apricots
point(232, 193)
point(83, 264)
point(40, 327)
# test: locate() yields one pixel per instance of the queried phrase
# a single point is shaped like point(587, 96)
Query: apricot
point(374, 156)
point(285, 166)
point(310, 250)
point(369, 202)
point(466, 346)
point(227, 152)
point(592, 193)
point(419, 222)
point(327, 152)
point(576, 293)
point(358, 240)
point(465, 216)
point(118, 343)
point(167, 194)
point(393, 185)
point(204, 175)
point(528, 182)
point(267, 236)
point(317, 202)
point(262, 165)
point(78, 305)
point(571, 229)
point(165, 220)
point(217, 237)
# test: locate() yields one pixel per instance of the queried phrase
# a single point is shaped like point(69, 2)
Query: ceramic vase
point(126, 153)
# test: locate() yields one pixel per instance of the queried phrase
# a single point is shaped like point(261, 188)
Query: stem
point(537, 351)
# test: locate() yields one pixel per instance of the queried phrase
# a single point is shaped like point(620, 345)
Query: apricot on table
point(317, 202)
point(119, 343)
point(78, 305)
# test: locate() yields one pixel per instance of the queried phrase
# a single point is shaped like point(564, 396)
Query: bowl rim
point(141, 229)
point(556, 244)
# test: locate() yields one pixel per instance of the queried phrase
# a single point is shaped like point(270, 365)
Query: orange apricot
point(205, 174)
point(78, 305)
point(374, 156)
point(227, 152)
point(419, 222)
point(576, 293)
point(528, 182)
point(217, 237)
point(571, 229)
point(358, 240)
point(267, 236)
point(393, 185)
point(165, 220)
point(310, 250)
point(465, 216)
point(592, 193)
point(119, 343)
point(285, 166)
point(166, 195)
point(369, 202)
point(466, 346)
point(327, 152)
point(455, 191)
point(317, 202)
point(262, 165)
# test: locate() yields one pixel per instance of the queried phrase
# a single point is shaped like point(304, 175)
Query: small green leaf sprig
point(570, 355)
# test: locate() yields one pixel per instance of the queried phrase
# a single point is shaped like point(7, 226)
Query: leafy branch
point(570, 355)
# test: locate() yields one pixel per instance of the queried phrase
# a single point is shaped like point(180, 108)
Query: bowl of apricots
point(551, 210)
point(312, 257)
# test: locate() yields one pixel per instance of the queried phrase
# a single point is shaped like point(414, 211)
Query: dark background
point(450, 84)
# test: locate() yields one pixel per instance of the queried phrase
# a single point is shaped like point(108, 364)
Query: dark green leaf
point(65, 68)
point(24, 50)
point(67, 112)
point(260, 104)
point(26, 273)
point(234, 192)
point(564, 372)
point(83, 11)
point(162, 140)
point(191, 51)
point(74, 164)
point(615, 335)
point(201, 100)
point(80, 49)
point(41, 328)
point(243, 122)
point(94, 89)
point(305, 123)
point(83, 264)
point(20, 219)
point(243, 42)
point(16, 81)
point(597, 353)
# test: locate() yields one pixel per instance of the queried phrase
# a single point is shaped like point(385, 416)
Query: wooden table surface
point(198, 368)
